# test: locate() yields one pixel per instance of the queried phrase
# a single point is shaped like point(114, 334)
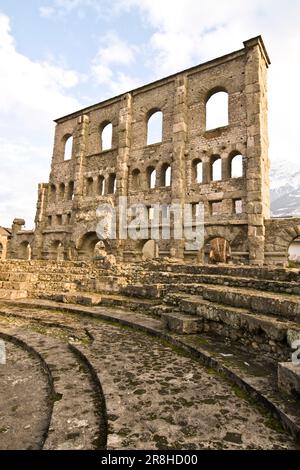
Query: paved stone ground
point(24, 401)
point(156, 397)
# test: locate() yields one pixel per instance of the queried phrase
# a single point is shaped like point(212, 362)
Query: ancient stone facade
point(5, 234)
point(179, 168)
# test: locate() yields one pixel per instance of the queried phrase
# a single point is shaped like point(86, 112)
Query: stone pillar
point(79, 145)
point(79, 153)
point(13, 245)
point(179, 153)
point(40, 221)
point(225, 167)
point(258, 199)
point(125, 117)
point(206, 169)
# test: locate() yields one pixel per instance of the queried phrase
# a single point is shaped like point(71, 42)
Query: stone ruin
point(225, 168)
point(233, 304)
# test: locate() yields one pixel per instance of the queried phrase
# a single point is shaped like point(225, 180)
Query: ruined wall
point(66, 209)
point(3, 243)
point(280, 233)
point(21, 242)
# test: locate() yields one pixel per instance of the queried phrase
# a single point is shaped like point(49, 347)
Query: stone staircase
point(255, 309)
point(258, 308)
point(75, 407)
point(64, 281)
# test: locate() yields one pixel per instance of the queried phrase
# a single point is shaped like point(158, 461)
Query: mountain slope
point(285, 189)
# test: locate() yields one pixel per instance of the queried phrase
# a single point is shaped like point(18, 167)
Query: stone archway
point(99, 251)
point(86, 246)
point(280, 234)
point(217, 250)
point(24, 251)
point(294, 252)
point(89, 247)
point(150, 250)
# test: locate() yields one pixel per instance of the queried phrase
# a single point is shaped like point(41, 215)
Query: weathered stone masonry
point(66, 208)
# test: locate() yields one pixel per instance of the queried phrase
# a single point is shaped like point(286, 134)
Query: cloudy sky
point(60, 55)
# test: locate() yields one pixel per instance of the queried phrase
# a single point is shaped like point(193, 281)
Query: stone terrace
point(164, 323)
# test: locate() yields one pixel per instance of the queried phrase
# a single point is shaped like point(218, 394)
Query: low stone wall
point(267, 273)
point(279, 235)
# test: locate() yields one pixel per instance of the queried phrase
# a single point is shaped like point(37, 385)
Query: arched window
point(106, 136)
point(217, 110)
point(151, 177)
point(136, 179)
point(166, 175)
point(238, 206)
point(52, 192)
point(70, 190)
point(154, 128)
point(62, 189)
point(197, 171)
point(68, 149)
point(58, 252)
point(236, 166)
point(216, 168)
point(217, 251)
point(24, 251)
point(101, 185)
point(1, 250)
point(294, 253)
point(112, 183)
point(89, 186)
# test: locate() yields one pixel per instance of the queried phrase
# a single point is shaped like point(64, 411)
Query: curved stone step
point(70, 297)
point(128, 302)
point(14, 285)
point(14, 276)
point(250, 370)
point(262, 332)
point(172, 280)
point(286, 306)
point(12, 294)
point(26, 396)
point(78, 419)
point(268, 273)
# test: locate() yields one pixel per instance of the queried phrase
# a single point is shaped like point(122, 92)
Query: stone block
point(182, 324)
point(289, 378)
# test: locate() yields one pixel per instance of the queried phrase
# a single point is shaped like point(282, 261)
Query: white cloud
point(116, 51)
point(24, 166)
point(61, 8)
point(46, 12)
point(182, 34)
point(32, 94)
point(113, 54)
point(102, 73)
point(193, 31)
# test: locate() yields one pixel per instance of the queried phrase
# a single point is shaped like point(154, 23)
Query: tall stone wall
point(66, 209)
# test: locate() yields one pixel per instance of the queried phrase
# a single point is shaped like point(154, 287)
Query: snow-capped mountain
point(285, 189)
